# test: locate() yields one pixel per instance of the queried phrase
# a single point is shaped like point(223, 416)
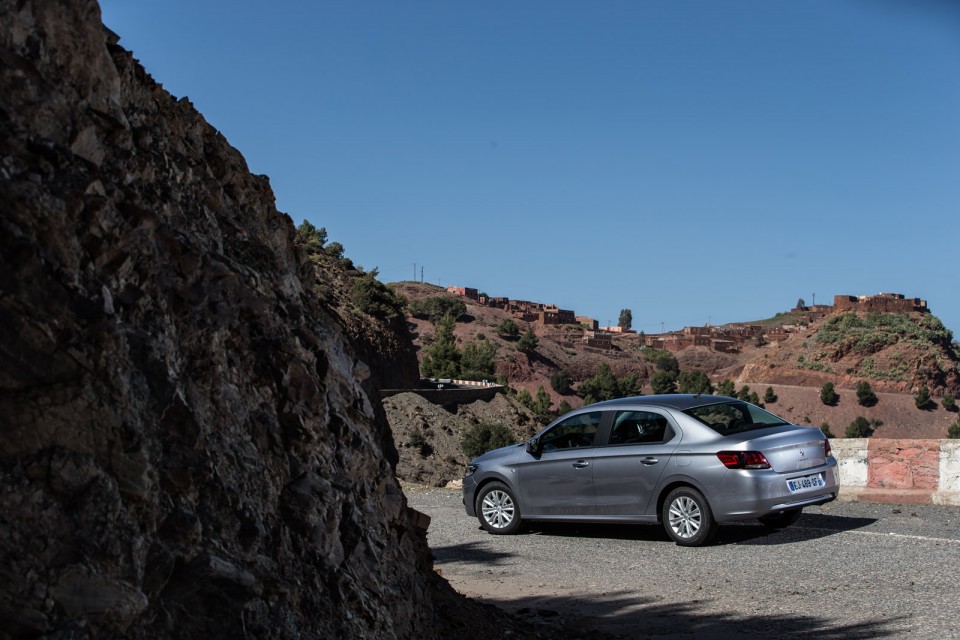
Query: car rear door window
point(639, 427)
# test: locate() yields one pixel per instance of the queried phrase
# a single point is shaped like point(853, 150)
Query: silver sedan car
point(685, 461)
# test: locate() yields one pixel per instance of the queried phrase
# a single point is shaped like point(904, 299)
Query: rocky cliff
point(187, 446)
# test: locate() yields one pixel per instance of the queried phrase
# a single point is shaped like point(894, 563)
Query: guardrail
point(899, 471)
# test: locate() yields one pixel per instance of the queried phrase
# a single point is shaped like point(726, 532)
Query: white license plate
point(806, 483)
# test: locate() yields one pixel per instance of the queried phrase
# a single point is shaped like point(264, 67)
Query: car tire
point(498, 510)
point(781, 520)
point(687, 518)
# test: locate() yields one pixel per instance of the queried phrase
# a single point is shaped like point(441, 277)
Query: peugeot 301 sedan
point(685, 461)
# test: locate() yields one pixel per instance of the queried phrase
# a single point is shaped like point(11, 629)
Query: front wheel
point(687, 517)
point(781, 520)
point(497, 509)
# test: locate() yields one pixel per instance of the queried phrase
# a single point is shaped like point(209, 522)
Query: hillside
point(896, 353)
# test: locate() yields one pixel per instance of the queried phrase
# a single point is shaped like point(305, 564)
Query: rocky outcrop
point(187, 447)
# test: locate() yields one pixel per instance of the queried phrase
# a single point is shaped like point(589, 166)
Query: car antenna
point(697, 396)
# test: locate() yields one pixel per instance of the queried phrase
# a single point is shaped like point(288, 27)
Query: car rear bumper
point(745, 494)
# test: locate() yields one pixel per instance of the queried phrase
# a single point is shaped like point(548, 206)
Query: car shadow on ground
point(809, 527)
point(632, 615)
point(468, 553)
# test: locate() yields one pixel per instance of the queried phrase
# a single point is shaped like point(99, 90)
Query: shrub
point(435, 308)
point(662, 360)
point(606, 386)
point(310, 237)
point(564, 408)
point(476, 360)
point(560, 382)
point(483, 437)
point(664, 382)
point(524, 398)
point(508, 328)
point(528, 342)
point(859, 428)
point(825, 427)
point(694, 382)
point(753, 398)
point(828, 395)
point(865, 395)
point(769, 396)
point(744, 393)
point(726, 388)
point(953, 431)
point(922, 399)
point(949, 402)
point(375, 298)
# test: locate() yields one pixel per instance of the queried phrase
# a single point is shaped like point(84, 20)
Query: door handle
point(649, 460)
point(581, 464)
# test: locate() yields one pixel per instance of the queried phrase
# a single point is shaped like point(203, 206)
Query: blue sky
point(693, 161)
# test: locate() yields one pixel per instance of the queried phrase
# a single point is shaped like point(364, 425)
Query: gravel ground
point(845, 570)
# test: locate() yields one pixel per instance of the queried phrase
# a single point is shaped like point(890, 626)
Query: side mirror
point(533, 446)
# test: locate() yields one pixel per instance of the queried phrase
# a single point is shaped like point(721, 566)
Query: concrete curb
point(899, 471)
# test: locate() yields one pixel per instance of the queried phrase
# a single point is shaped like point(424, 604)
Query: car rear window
point(734, 417)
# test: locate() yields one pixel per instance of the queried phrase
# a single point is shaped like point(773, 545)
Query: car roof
point(679, 401)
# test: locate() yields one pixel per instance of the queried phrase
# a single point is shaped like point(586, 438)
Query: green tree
point(828, 394)
point(442, 359)
point(626, 319)
point(753, 398)
point(801, 303)
point(744, 393)
point(528, 342)
point(375, 298)
point(769, 397)
point(663, 382)
point(436, 307)
point(480, 438)
point(825, 427)
point(564, 408)
point(865, 395)
point(663, 360)
point(541, 405)
point(922, 398)
point(948, 401)
point(477, 360)
point(953, 431)
point(606, 386)
point(524, 398)
point(334, 249)
point(859, 428)
point(508, 328)
point(727, 388)
point(310, 237)
point(560, 382)
point(694, 382)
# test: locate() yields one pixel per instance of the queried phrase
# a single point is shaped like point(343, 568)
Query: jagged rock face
point(186, 445)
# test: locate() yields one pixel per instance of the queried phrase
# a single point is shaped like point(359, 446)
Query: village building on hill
point(882, 302)
point(727, 339)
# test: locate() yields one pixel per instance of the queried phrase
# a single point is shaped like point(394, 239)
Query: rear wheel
point(687, 517)
point(781, 520)
point(497, 509)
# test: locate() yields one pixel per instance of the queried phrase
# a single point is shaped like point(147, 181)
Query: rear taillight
point(826, 448)
point(743, 460)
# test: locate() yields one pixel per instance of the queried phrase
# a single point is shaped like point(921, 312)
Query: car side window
point(574, 432)
point(639, 427)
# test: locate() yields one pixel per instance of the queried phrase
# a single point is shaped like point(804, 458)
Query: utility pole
point(421, 274)
point(814, 300)
point(414, 271)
